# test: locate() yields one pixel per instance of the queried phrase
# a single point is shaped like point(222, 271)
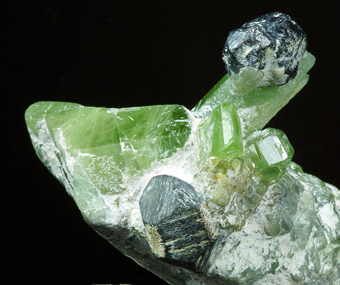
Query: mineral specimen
point(204, 196)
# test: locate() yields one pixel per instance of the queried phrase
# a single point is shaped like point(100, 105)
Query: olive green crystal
point(220, 134)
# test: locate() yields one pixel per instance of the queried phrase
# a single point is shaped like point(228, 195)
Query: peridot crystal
point(98, 149)
point(271, 152)
point(206, 196)
point(220, 134)
point(255, 105)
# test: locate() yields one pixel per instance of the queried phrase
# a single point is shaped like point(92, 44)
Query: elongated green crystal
point(220, 135)
point(255, 105)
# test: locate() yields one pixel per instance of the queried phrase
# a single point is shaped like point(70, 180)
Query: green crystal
point(271, 151)
point(255, 105)
point(241, 182)
point(220, 135)
point(108, 144)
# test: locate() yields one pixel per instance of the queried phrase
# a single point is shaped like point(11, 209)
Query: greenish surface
point(110, 143)
point(255, 105)
point(220, 134)
point(237, 190)
point(303, 208)
point(36, 112)
point(271, 151)
point(240, 182)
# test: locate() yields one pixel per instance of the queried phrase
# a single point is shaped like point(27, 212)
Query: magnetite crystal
point(205, 196)
point(272, 43)
point(175, 225)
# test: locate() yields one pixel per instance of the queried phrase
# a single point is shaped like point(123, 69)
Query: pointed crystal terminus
point(174, 223)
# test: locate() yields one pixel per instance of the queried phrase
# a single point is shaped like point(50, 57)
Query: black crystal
point(174, 223)
point(273, 43)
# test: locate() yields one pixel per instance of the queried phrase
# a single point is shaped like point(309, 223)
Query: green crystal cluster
point(125, 140)
point(272, 219)
point(240, 182)
point(258, 157)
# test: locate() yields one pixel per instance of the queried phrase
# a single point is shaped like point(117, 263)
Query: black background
point(122, 54)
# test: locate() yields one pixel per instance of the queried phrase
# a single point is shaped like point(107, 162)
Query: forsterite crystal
point(205, 190)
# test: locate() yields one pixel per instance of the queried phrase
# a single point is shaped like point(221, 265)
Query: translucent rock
point(295, 229)
point(273, 43)
point(174, 222)
point(98, 149)
point(235, 192)
point(220, 134)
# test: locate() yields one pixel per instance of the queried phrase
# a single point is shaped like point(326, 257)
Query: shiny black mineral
point(174, 223)
point(273, 43)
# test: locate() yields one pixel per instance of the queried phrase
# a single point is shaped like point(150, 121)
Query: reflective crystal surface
point(220, 134)
point(94, 151)
point(272, 43)
point(270, 151)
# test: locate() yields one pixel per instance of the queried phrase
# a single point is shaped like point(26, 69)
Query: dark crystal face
point(273, 43)
point(174, 224)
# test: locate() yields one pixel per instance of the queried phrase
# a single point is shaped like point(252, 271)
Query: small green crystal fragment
point(271, 151)
point(220, 135)
point(107, 144)
point(255, 105)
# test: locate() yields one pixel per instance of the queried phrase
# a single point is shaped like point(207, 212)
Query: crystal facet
point(174, 223)
point(99, 148)
point(271, 151)
point(220, 133)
